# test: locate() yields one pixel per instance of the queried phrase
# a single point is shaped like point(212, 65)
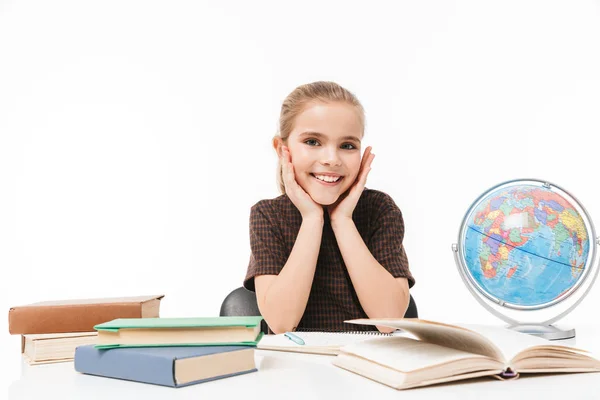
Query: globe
point(524, 246)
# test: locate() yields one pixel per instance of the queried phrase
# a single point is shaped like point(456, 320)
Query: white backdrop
point(135, 134)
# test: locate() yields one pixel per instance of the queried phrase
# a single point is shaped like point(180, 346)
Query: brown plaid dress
point(274, 226)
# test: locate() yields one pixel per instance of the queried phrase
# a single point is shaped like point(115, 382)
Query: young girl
point(327, 250)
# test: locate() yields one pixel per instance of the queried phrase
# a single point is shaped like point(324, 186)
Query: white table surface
point(301, 376)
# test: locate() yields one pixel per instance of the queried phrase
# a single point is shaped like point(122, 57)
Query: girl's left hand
point(344, 206)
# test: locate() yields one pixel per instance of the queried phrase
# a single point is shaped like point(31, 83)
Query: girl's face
point(325, 149)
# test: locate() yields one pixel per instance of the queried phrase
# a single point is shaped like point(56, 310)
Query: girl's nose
point(331, 158)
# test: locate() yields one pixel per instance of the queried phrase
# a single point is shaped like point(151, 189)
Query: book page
point(406, 354)
point(507, 344)
point(445, 335)
point(514, 343)
point(511, 342)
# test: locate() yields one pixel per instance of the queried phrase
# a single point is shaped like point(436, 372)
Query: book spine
point(67, 318)
point(125, 364)
point(508, 374)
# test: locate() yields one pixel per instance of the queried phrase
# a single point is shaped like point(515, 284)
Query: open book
point(439, 353)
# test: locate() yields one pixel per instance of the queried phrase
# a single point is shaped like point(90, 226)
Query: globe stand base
point(549, 332)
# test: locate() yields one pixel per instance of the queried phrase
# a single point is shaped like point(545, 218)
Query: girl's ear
point(277, 144)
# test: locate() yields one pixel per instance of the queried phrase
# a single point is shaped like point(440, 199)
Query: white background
point(136, 135)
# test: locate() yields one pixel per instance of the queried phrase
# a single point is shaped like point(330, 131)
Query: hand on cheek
point(302, 200)
point(344, 207)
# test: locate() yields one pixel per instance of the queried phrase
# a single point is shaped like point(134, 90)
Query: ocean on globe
point(525, 245)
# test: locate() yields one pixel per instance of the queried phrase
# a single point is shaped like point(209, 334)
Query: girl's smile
point(327, 179)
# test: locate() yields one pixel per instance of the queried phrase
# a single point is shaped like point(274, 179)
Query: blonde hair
point(296, 102)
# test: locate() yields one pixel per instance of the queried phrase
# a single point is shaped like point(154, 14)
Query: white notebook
point(328, 343)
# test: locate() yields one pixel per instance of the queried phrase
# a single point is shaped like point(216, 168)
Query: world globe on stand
point(527, 245)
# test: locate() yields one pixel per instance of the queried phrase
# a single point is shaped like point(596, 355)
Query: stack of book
point(51, 330)
point(173, 352)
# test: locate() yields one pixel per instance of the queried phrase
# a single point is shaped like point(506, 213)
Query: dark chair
point(242, 302)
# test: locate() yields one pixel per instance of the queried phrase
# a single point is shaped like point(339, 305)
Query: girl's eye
point(348, 146)
point(311, 142)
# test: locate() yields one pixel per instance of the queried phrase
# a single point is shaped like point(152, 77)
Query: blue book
point(166, 366)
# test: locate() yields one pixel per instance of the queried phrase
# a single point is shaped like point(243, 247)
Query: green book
point(202, 331)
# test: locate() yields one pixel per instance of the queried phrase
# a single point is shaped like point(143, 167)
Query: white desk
point(300, 376)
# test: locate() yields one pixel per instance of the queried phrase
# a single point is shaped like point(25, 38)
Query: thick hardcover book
point(166, 366)
point(201, 331)
point(79, 315)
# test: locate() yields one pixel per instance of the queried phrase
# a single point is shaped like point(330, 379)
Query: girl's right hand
point(302, 200)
